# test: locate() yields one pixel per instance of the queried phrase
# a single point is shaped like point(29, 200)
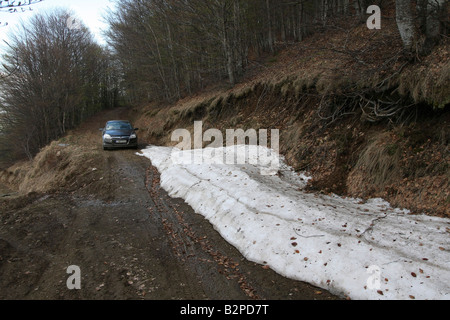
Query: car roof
point(118, 121)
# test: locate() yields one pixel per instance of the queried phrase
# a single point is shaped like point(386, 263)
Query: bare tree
point(436, 13)
point(421, 19)
point(60, 77)
point(170, 48)
point(405, 23)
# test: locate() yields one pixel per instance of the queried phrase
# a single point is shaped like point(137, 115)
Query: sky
point(90, 12)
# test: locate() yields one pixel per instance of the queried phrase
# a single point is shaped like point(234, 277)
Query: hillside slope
point(356, 114)
point(353, 112)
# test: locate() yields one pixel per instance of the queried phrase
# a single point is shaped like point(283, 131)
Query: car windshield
point(118, 126)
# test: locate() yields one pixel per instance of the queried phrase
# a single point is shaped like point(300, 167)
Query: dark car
point(119, 134)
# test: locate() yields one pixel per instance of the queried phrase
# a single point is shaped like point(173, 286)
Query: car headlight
point(107, 137)
point(133, 136)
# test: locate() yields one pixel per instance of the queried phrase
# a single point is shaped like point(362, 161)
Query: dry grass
point(409, 166)
point(378, 166)
point(54, 169)
point(71, 163)
point(428, 81)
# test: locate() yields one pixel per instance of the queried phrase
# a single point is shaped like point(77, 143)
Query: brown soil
point(129, 238)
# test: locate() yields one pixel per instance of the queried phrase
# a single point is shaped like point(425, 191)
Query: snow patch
point(360, 250)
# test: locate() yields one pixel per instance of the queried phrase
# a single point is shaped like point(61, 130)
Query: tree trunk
point(269, 22)
point(300, 28)
point(435, 9)
point(421, 9)
point(227, 47)
point(405, 23)
point(345, 7)
point(237, 34)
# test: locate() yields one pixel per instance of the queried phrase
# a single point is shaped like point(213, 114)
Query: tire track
point(181, 246)
point(185, 241)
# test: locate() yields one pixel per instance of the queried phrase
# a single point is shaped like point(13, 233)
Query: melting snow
point(360, 250)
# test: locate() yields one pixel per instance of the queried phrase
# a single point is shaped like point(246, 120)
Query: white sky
point(91, 12)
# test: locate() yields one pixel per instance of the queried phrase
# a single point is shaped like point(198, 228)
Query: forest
point(169, 49)
point(53, 76)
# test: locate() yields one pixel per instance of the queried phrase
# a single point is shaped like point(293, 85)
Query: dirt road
point(129, 239)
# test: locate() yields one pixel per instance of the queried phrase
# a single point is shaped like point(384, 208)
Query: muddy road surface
point(128, 238)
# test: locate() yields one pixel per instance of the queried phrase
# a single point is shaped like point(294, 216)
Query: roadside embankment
point(353, 113)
